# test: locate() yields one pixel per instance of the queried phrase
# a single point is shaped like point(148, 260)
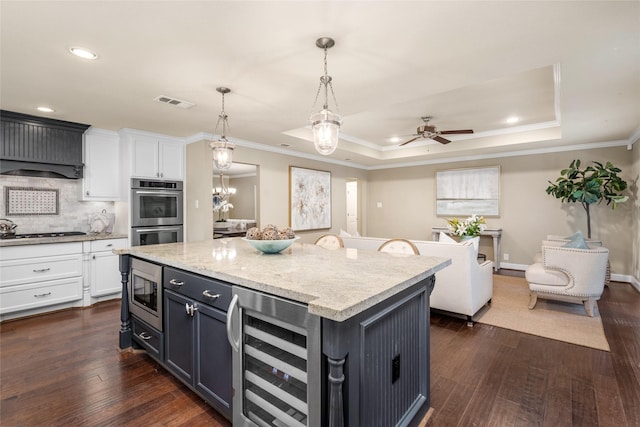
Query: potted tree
point(590, 185)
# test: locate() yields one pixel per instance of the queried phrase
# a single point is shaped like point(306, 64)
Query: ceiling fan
point(427, 131)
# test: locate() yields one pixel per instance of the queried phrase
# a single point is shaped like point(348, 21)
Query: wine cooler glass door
point(277, 364)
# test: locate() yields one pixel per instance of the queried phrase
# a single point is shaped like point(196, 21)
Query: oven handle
point(234, 344)
point(161, 193)
point(146, 230)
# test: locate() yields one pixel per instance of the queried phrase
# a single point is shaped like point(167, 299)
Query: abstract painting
point(468, 191)
point(309, 199)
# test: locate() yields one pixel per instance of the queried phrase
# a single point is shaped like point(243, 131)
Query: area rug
point(550, 319)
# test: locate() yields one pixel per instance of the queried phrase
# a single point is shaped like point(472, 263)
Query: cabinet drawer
point(29, 270)
point(148, 337)
point(108, 244)
point(24, 297)
point(41, 250)
point(195, 286)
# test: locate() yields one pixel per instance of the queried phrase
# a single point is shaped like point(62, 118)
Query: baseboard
point(615, 277)
point(510, 266)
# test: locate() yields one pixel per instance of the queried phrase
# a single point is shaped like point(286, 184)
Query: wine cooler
point(276, 361)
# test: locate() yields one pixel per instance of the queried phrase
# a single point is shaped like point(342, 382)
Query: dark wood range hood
point(39, 146)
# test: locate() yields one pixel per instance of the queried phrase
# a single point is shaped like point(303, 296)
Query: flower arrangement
point(222, 207)
point(470, 227)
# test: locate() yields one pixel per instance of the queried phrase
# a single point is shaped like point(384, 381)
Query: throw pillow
point(576, 241)
point(445, 238)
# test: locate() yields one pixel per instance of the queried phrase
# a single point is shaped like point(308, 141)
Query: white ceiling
point(570, 71)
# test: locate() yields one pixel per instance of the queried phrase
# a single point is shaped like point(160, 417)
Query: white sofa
point(462, 288)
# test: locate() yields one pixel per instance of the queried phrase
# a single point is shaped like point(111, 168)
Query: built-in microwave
point(156, 203)
point(145, 292)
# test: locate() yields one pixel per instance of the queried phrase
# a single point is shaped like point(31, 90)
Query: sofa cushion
point(536, 273)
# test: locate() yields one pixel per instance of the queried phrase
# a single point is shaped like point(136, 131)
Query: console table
point(496, 234)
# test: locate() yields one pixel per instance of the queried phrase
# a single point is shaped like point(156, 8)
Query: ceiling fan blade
point(411, 140)
point(440, 139)
point(451, 132)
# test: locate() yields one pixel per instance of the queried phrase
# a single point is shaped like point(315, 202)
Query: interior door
point(352, 207)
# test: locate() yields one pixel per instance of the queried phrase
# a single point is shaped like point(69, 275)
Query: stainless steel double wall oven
point(156, 212)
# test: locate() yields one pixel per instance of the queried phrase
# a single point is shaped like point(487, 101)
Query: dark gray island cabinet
point(308, 337)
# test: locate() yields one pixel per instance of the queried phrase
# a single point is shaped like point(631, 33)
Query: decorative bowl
point(271, 246)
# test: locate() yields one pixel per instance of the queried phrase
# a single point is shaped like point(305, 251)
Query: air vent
point(174, 101)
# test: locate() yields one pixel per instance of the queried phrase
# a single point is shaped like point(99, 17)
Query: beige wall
point(197, 187)
point(243, 201)
point(634, 183)
point(407, 195)
point(527, 213)
point(273, 188)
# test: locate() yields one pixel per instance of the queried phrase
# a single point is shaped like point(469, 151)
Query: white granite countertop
point(64, 239)
point(335, 284)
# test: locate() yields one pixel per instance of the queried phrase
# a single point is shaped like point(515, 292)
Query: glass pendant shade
point(326, 131)
point(222, 153)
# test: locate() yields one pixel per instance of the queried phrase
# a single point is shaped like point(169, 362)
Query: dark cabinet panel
point(196, 347)
point(39, 144)
point(179, 329)
point(213, 359)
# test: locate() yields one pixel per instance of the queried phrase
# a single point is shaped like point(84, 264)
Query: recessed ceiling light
point(394, 139)
point(83, 53)
point(513, 119)
point(45, 109)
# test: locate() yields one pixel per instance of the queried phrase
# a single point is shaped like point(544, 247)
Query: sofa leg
point(533, 299)
point(589, 306)
point(469, 322)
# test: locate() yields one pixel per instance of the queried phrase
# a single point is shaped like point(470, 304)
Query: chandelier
point(222, 148)
point(325, 123)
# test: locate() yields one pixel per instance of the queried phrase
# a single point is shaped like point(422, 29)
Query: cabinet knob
point(87, 192)
point(94, 257)
point(176, 282)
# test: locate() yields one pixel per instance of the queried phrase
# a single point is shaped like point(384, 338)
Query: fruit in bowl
point(270, 240)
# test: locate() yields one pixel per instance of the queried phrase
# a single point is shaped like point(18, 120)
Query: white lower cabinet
point(104, 274)
point(39, 278)
point(35, 276)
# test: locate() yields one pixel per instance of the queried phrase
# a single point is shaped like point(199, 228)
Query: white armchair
point(569, 274)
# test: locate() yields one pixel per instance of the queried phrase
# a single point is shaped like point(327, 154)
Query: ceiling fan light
point(326, 131)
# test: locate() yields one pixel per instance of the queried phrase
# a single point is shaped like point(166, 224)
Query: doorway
point(352, 206)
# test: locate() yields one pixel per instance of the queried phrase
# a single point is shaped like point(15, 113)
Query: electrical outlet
point(505, 257)
point(197, 204)
point(379, 204)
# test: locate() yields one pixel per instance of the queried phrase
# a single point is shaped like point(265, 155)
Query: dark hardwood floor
point(65, 369)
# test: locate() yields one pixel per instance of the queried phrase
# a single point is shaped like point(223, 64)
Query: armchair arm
point(586, 268)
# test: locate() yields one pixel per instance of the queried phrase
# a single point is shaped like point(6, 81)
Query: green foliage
point(590, 185)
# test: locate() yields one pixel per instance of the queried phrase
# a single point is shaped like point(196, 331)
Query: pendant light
point(222, 148)
point(325, 124)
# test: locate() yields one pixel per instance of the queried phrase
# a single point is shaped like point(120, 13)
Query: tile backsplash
point(73, 214)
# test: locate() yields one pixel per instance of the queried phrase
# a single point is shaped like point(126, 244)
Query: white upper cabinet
point(101, 166)
point(157, 158)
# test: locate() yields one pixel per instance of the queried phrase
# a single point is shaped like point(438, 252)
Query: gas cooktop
point(38, 235)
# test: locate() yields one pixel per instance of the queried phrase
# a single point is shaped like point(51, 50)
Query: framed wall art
point(309, 199)
point(468, 191)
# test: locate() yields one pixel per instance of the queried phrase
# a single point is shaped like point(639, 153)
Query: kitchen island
point(356, 321)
